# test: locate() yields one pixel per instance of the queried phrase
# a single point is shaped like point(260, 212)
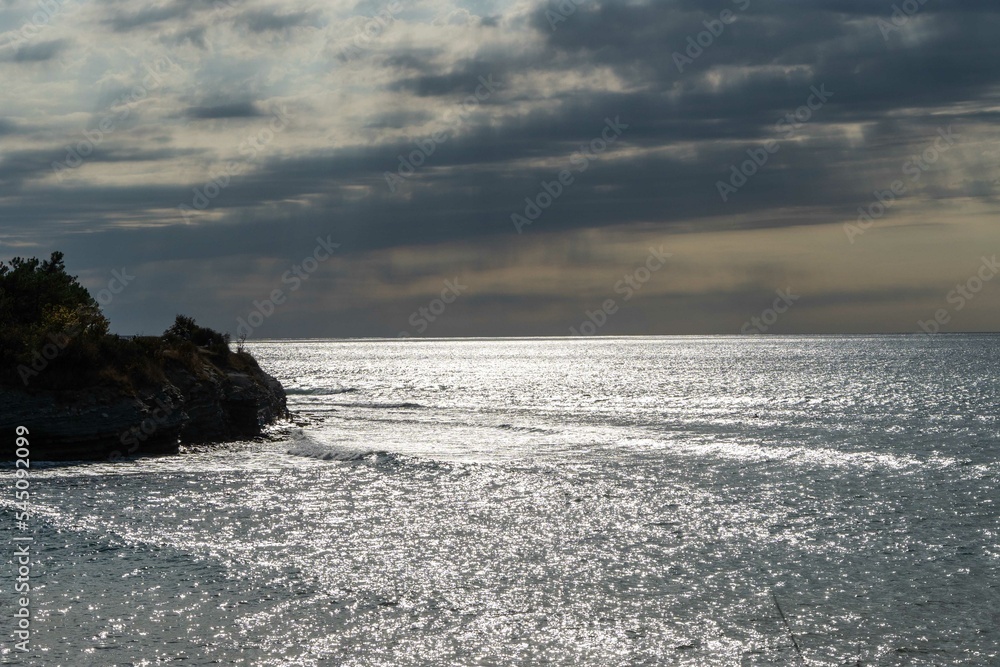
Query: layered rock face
point(212, 404)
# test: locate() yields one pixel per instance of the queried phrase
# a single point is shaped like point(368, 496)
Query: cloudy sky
point(689, 164)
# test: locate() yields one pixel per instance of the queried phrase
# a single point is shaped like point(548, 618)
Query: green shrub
point(185, 329)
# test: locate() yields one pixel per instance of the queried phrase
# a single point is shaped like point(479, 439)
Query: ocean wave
point(523, 429)
point(320, 391)
point(308, 447)
point(379, 406)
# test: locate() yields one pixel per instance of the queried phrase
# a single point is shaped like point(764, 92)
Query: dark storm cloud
point(231, 110)
point(774, 53)
point(837, 43)
point(22, 167)
point(465, 189)
point(398, 119)
point(19, 166)
point(461, 81)
point(272, 20)
point(150, 17)
point(35, 53)
point(418, 60)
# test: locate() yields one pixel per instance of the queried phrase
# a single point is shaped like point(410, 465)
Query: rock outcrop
point(218, 402)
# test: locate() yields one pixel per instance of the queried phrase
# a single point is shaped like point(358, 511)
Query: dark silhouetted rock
point(214, 404)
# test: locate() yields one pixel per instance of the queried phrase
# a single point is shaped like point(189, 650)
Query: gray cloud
point(149, 17)
point(231, 110)
point(272, 20)
point(35, 52)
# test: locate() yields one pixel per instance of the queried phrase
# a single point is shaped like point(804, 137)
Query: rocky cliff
point(202, 400)
point(85, 393)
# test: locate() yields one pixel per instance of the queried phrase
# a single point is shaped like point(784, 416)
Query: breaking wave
point(378, 406)
point(308, 447)
point(319, 391)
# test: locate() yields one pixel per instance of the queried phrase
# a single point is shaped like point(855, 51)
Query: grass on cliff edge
point(53, 336)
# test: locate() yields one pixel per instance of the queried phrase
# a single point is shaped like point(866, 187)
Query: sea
point(769, 500)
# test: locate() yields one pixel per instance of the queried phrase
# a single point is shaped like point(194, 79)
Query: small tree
point(29, 287)
point(40, 302)
point(184, 328)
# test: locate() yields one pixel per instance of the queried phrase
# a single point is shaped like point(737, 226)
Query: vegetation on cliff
point(53, 336)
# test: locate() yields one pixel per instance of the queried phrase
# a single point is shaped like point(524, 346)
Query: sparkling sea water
point(608, 501)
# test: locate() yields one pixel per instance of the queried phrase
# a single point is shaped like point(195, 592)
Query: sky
point(436, 168)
